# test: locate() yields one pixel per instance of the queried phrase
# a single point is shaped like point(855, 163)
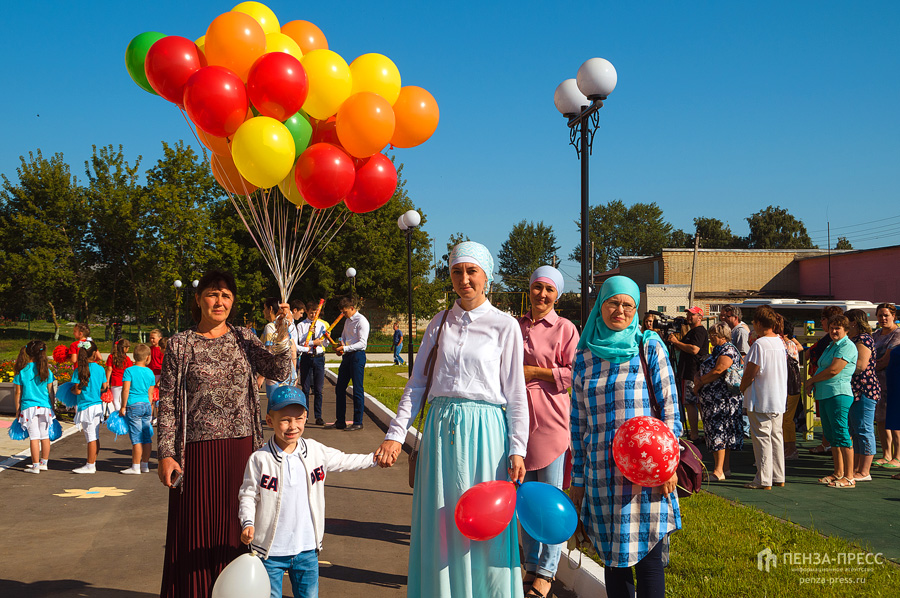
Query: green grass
point(715, 553)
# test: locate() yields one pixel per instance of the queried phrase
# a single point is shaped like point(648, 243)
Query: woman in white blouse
point(476, 430)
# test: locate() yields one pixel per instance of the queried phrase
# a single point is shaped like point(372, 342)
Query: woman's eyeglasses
point(614, 305)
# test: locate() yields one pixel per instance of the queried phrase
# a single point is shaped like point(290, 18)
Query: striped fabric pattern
point(623, 520)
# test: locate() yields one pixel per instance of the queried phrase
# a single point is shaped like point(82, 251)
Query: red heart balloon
point(170, 63)
point(376, 181)
point(277, 85)
point(646, 451)
point(324, 175)
point(216, 100)
point(485, 510)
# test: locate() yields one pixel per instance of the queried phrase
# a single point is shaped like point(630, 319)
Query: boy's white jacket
point(260, 497)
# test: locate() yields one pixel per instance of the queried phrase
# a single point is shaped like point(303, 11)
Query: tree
point(442, 272)
point(45, 258)
point(843, 243)
point(617, 230)
point(529, 245)
point(714, 234)
point(776, 228)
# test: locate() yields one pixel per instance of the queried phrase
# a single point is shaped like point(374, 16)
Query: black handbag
point(690, 465)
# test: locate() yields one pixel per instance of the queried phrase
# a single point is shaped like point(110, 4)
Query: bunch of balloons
point(277, 107)
point(545, 512)
point(646, 451)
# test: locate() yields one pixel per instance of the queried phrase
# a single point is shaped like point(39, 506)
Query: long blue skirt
point(463, 443)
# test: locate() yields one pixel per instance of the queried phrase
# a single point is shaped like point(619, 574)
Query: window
point(661, 309)
point(715, 308)
point(681, 308)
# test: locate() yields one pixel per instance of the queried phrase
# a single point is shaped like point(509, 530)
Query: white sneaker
point(33, 468)
point(43, 465)
point(86, 468)
point(131, 471)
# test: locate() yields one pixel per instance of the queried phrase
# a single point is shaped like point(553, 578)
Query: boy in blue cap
point(282, 498)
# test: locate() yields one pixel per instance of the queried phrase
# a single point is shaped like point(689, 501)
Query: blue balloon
point(546, 513)
point(64, 394)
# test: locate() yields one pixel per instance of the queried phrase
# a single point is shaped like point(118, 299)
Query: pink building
point(868, 274)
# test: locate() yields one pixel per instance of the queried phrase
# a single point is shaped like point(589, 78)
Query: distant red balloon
point(646, 451)
point(324, 175)
point(324, 131)
point(376, 181)
point(170, 63)
point(277, 85)
point(485, 510)
point(216, 100)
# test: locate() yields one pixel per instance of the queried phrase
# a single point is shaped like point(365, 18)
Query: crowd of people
point(499, 408)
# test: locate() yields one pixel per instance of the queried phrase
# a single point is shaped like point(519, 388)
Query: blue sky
point(721, 109)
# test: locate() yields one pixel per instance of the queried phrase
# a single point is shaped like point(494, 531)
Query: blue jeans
point(398, 359)
point(862, 425)
point(544, 558)
point(312, 373)
point(353, 366)
point(303, 571)
point(139, 417)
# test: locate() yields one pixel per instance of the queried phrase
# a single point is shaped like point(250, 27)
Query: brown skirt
point(203, 533)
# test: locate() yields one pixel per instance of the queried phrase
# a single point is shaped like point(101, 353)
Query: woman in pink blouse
point(550, 343)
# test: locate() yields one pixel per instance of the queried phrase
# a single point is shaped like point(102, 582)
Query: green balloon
point(301, 130)
point(135, 55)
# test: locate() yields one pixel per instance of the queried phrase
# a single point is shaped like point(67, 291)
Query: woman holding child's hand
point(209, 424)
point(476, 430)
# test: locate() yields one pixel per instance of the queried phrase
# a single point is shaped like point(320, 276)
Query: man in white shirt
point(312, 358)
point(353, 366)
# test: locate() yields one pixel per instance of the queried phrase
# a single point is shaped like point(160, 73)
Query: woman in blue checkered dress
point(627, 523)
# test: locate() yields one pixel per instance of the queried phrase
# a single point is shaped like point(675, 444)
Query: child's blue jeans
point(302, 569)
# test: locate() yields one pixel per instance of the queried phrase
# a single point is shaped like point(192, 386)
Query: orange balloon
point(217, 145)
point(308, 36)
point(417, 117)
point(227, 175)
point(235, 40)
point(365, 124)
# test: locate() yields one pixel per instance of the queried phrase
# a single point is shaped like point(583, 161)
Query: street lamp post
point(407, 222)
point(177, 286)
point(351, 274)
point(579, 100)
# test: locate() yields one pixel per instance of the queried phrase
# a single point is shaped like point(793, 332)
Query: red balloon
point(216, 100)
point(170, 63)
point(324, 131)
point(277, 85)
point(646, 451)
point(485, 510)
point(324, 175)
point(376, 181)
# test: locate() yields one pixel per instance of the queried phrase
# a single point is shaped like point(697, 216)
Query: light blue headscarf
point(606, 343)
point(474, 253)
point(551, 275)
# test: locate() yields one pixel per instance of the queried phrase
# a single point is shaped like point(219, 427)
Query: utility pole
point(829, 259)
point(694, 267)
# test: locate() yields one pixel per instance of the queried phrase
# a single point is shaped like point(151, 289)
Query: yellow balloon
point(289, 189)
point(330, 83)
point(279, 42)
point(262, 13)
point(201, 43)
point(263, 151)
point(376, 73)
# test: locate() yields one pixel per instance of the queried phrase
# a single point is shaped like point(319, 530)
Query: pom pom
point(64, 394)
point(55, 430)
point(17, 431)
point(107, 396)
point(61, 354)
point(116, 424)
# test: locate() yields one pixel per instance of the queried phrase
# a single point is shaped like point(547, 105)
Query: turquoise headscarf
point(472, 252)
point(606, 343)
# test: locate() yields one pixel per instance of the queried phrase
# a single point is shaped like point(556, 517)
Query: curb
point(585, 579)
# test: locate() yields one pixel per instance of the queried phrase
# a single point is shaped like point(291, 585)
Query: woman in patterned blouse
point(628, 524)
point(209, 423)
point(866, 394)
